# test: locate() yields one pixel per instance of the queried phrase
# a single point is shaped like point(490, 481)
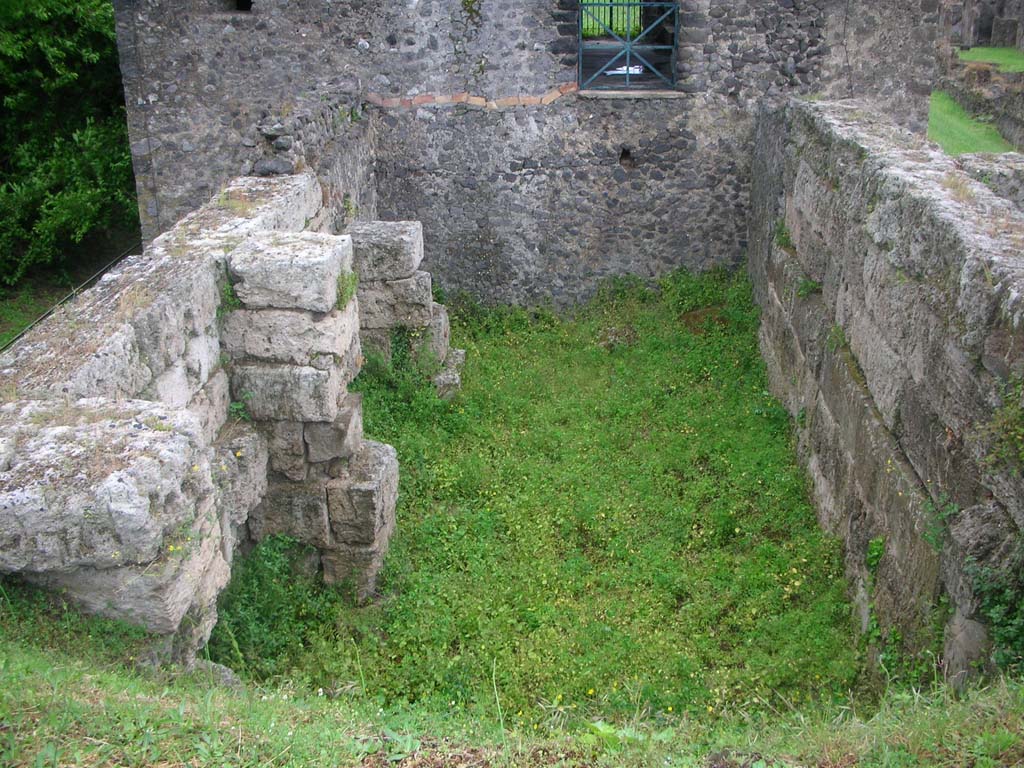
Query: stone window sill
point(663, 94)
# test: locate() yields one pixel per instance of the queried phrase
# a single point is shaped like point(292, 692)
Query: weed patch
point(1005, 59)
point(957, 132)
point(590, 530)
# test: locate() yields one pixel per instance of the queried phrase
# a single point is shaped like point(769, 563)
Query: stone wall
point(196, 399)
point(214, 94)
point(890, 286)
point(528, 192)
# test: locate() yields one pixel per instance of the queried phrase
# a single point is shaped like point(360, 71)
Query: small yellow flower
point(590, 692)
point(195, 467)
point(238, 454)
point(670, 709)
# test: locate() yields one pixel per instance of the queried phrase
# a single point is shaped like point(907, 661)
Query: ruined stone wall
point(195, 399)
point(890, 287)
point(528, 192)
point(213, 94)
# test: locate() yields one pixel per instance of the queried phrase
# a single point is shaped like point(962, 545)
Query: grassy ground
point(542, 514)
point(1006, 59)
point(71, 694)
point(957, 132)
point(609, 518)
point(36, 294)
point(21, 306)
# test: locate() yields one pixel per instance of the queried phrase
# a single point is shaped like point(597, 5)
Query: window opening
point(243, 5)
point(626, 44)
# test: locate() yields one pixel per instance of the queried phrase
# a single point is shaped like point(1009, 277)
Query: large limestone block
point(293, 509)
point(287, 449)
point(290, 270)
point(352, 361)
point(97, 483)
point(240, 476)
point(210, 405)
point(386, 250)
point(431, 343)
point(396, 303)
point(356, 566)
point(448, 381)
point(156, 595)
point(287, 336)
point(362, 501)
point(287, 392)
point(340, 438)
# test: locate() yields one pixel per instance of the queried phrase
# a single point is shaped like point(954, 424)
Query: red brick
point(477, 101)
point(375, 98)
point(510, 101)
point(529, 101)
point(391, 103)
point(406, 103)
point(568, 87)
point(550, 96)
point(460, 98)
point(425, 98)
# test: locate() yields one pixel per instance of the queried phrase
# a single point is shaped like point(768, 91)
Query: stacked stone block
point(294, 347)
point(891, 318)
point(395, 294)
point(128, 480)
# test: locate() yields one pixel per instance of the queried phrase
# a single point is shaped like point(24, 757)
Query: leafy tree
point(65, 167)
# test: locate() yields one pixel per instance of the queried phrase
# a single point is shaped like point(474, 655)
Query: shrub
point(65, 167)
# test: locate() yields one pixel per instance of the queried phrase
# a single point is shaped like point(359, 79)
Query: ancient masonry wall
point(464, 115)
point(890, 283)
point(195, 399)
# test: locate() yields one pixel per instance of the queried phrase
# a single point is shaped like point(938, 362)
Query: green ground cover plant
point(533, 612)
point(1006, 59)
point(609, 517)
point(957, 132)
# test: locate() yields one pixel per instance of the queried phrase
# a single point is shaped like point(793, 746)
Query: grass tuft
point(957, 132)
point(590, 529)
point(1005, 59)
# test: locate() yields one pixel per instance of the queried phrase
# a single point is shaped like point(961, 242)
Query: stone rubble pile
point(395, 294)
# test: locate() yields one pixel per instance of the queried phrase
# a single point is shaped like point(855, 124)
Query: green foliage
point(270, 609)
point(544, 542)
point(1001, 592)
point(348, 284)
point(1004, 432)
point(623, 20)
point(33, 615)
point(783, 238)
point(65, 168)
point(1005, 59)
point(875, 553)
point(938, 514)
point(957, 132)
point(72, 694)
point(239, 409)
point(229, 300)
point(808, 288)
